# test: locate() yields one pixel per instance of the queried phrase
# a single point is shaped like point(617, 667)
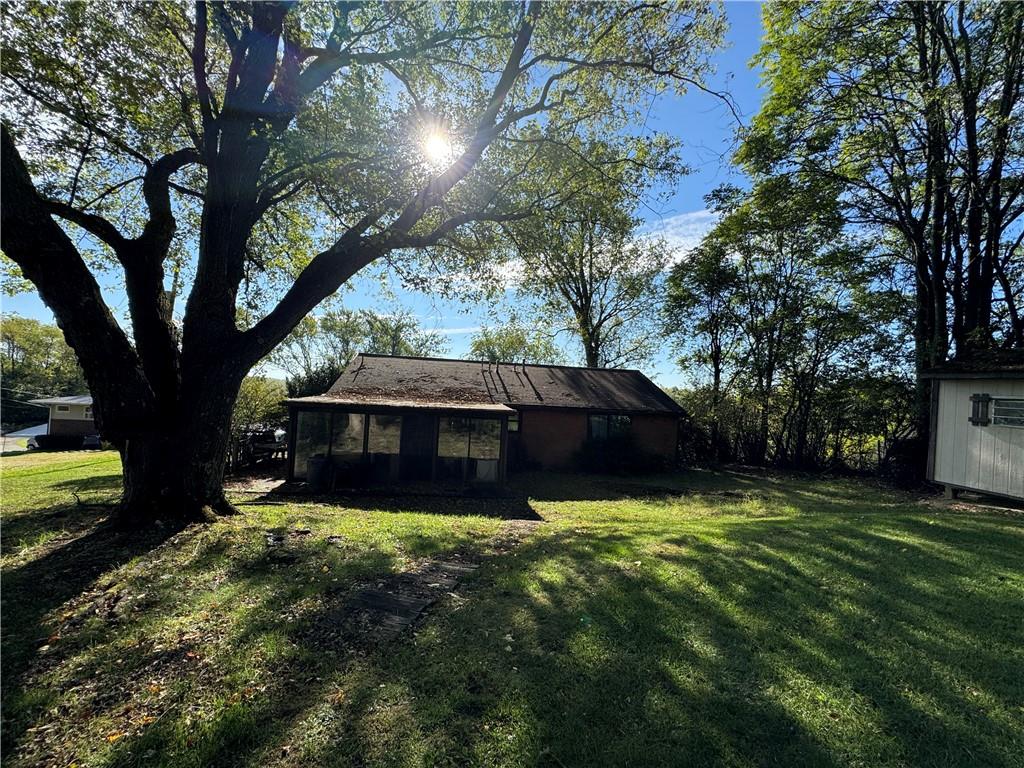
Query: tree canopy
point(287, 146)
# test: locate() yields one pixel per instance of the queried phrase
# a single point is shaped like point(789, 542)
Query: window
point(347, 438)
point(63, 408)
point(513, 422)
point(385, 435)
point(979, 410)
point(468, 448)
point(618, 426)
point(1007, 412)
point(312, 436)
point(603, 426)
point(453, 437)
point(88, 411)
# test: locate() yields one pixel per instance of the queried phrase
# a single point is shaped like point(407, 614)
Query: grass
point(698, 619)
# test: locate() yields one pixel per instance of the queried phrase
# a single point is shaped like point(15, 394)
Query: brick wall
point(551, 437)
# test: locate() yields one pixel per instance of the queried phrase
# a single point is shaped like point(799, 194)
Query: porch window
point(312, 437)
point(384, 444)
point(347, 438)
point(468, 448)
point(63, 408)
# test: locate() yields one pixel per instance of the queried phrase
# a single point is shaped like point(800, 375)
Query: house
point(69, 415)
point(977, 426)
point(407, 419)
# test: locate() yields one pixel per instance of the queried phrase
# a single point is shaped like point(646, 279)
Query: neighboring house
point(69, 415)
point(399, 419)
point(977, 427)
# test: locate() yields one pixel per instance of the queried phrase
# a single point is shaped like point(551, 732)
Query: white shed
point(977, 429)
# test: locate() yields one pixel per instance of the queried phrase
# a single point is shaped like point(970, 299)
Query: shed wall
point(984, 458)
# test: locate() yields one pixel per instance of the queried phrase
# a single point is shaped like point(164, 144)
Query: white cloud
point(683, 231)
point(457, 331)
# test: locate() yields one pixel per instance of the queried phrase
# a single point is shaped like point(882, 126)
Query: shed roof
point(463, 382)
point(995, 364)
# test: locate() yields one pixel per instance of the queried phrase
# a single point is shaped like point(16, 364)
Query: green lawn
point(700, 619)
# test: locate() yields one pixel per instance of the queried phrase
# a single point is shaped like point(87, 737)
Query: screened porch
point(361, 444)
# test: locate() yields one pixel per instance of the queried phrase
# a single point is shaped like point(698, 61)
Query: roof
point(382, 379)
point(69, 400)
point(384, 402)
point(994, 364)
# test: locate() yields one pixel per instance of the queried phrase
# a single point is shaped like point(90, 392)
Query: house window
point(1007, 412)
point(602, 426)
point(513, 422)
point(63, 408)
point(88, 411)
point(979, 410)
point(312, 437)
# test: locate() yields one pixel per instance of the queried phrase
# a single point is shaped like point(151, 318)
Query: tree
point(583, 265)
point(776, 303)
point(915, 110)
point(514, 342)
point(34, 362)
point(259, 405)
point(317, 351)
point(700, 317)
point(282, 147)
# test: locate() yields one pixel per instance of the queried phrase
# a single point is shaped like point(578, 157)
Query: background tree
point(514, 342)
point(915, 111)
point(259, 405)
point(584, 266)
point(34, 362)
point(777, 305)
point(286, 146)
point(317, 351)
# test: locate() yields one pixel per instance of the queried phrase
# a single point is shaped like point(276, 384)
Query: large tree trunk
point(176, 470)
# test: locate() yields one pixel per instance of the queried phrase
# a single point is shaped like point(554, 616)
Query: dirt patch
point(375, 613)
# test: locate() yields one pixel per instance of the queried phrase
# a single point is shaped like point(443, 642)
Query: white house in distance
point(69, 415)
point(977, 427)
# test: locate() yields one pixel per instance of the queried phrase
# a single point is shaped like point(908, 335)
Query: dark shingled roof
point(380, 377)
point(1002, 364)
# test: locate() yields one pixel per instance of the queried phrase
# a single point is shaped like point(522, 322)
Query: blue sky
point(706, 130)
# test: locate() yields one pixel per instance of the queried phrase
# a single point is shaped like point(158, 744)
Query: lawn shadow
point(34, 589)
point(504, 507)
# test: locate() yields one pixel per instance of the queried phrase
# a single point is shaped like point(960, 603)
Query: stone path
point(374, 614)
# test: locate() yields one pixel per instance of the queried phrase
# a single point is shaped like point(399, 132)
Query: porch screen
point(469, 448)
point(385, 434)
point(312, 435)
point(347, 438)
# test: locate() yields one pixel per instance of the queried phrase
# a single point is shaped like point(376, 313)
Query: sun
point(437, 149)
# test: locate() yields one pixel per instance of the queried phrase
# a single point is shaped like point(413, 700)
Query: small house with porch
point(389, 420)
point(70, 415)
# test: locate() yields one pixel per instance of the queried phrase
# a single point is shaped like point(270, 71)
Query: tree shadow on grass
point(32, 590)
point(809, 641)
point(512, 507)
